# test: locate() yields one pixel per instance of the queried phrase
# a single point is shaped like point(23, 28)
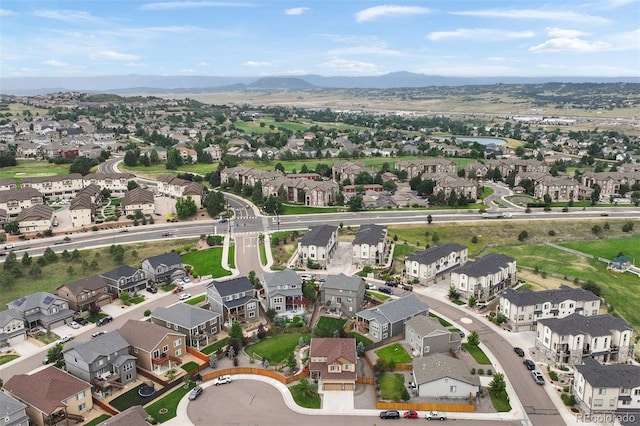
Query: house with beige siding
point(138, 199)
point(86, 294)
point(60, 186)
point(318, 245)
point(434, 263)
point(14, 201)
point(35, 219)
point(82, 210)
point(332, 362)
point(157, 348)
point(371, 245)
point(486, 277)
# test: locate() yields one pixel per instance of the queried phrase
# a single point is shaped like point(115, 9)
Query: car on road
point(529, 364)
point(222, 380)
point(537, 377)
point(407, 287)
point(152, 290)
point(386, 290)
point(519, 351)
point(390, 414)
point(184, 296)
point(166, 234)
point(306, 277)
point(104, 320)
point(64, 339)
point(604, 214)
point(435, 415)
point(222, 221)
point(195, 393)
point(97, 333)
point(124, 230)
point(411, 414)
point(73, 325)
point(9, 246)
point(178, 289)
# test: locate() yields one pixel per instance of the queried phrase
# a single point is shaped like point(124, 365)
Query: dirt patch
point(540, 283)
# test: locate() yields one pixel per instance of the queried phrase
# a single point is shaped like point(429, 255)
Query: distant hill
point(181, 84)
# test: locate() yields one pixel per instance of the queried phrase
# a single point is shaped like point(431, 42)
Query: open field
point(19, 108)
point(206, 262)
point(609, 249)
point(29, 168)
point(275, 348)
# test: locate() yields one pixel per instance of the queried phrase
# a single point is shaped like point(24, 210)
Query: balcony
point(165, 359)
point(60, 416)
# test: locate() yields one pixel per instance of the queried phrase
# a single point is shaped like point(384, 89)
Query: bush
point(523, 235)
point(473, 371)
point(552, 233)
point(568, 399)
point(480, 372)
point(474, 240)
point(553, 376)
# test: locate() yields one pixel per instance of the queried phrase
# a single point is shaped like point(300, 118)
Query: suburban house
point(82, 211)
point(14, 411)
point(427, 265)
point(16, 200)
point(175, 187)
point(125, 278)
point(601, 389)
point(486, 277)
point(370, 246)
point(163, 266)
point(570, 339)
point(51, 396)
point(214, 151)
point(200, 326)
point(318, 245)
point(104, 361)
point(117, 183)
point(156, 348)
point(333, 363)
point(132, 416)
point(57, 186)
point(452, 184)
point(138, 199)
point(35, 219)
point(429, 167)
point(388, 319)
point(443, 376)
point(12, 328)
point(42, 309)
point(233, 299)
point(301, 190)
point(525, 307)
point(86, 294)
point(343, 294)
point(283, 291)
point(426, 336)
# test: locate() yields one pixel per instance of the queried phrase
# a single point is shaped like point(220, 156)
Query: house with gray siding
point(443, 376)
point(370, 246)
point(342, 294)
point(486, 277)
point(283, 291)
point(125, 278)
point(201, 326)
point(163, 267)
point(434, 263)
point(318, 245)
point(388, 319)
point(233, 299)
point(426, 336)
point(13, 411)
point(42, 309)
point(12, 329)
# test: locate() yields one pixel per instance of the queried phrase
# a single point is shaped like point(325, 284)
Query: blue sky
point(599, 38)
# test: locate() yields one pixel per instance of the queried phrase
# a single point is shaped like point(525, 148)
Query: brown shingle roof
point(336, 351)
point(94, 282)
point(37, 212)
point(19, 194)
point(54, 178)
point(81, 202)
point(144, 335)
point(138, 196)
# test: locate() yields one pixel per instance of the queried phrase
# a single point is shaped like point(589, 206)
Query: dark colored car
point(385, 290)
point(195, 393)
point(166, 234)
point(81, 321)
point(152, 290)
point(529, 364)
point(407, 287)
point(519, 351)
point(390, 414)
point(392, 284)
point(104, 320)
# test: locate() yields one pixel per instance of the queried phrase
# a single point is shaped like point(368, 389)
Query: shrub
point(489, 372)
point(553, 376)
point(552, 233)
point(523, 235)
point(568, 399)
point(480, 372)
point(474, 240)
point(473, 371)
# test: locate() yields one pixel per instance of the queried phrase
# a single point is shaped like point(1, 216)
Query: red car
point(178, 289)
point(410, 415)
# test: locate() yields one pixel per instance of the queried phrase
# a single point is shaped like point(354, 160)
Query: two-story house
point(86, 294)
point(570, 339)
point(125, 278)
point(442, 376)
point(14, 201)
point(333, 363)
point(525, 307)
point(174, 187)
point(233, 299)
point(14, 411)
point(605, 389)
point(35, 219)
point(52, 396)
point(343, 294)
point(370, 246)
point(12, 328)
point(283, 291)
point(117, 183)
point(437, 261)
point(156, 348)
point(163, 267)
point(104, 361)
point(42, 309)
point(486, 277)
point(200, 326)
point(57, 186)
point(388, 319)
point(426, 336)
point(82, 211)
point(318, 245)
point(138, 199)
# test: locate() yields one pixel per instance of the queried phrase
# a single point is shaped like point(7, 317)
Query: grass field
point(170, 402)
point(7, 358)
point(276, 348)
point(288, 209)
point(206, 262)
point(395, 353)
point(215, 346)
point(304, 399)
point(195, 300)
point(29, 168)
point(330, 325)
point(609, 249)
point(477, 354)
point(391, 386)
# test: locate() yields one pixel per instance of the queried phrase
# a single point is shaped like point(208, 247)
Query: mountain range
point(131, 83)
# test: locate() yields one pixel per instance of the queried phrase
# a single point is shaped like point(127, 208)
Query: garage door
point(332, 386)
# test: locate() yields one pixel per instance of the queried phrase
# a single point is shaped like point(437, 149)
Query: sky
point(481, 38)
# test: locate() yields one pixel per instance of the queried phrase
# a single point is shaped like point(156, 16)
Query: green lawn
point(289, 209)
point(29, 168)
point(194, 301)
point(395, 353)
point(477, 354)
point(129, 399)
point(206, 262)
point(610, 248)
point(304, 399)
point(189, 366)
point(231, 258)
point(500, 402)
point(170, 402)
point(263, 254)
point(443, 322)
point(391, 386)
point(98, 420)
point(215, 346)
point(377, 295)
point(360, 338)
point(276, 348)
point(7, 358)
point(327, 326)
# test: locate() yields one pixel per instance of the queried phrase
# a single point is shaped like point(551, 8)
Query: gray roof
point(238, 302)
point(527, 297)
point(184, 315)
point(425, 325)
point(233, 286)
point(489, 264)
point(286, 277)
point(318, 235)
point(344, 282)
point(36, 212)
point(168, 259)
point(625, 376)
point(39, 299)
point(103, 345)
point(596, 325)
point(94, 282)
point(370, 234)
point(9, 405)
point(440, 366)
point(119, 272)
point(132, 416)
point(395, 310)
point(432, 254)
point(8, 315)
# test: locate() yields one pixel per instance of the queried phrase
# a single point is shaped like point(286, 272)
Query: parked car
point(410, 414)
point(45, 360)
point(390, 414)
point(385, 290)
point(73, 325)
point(222, 380)
point(64, 339)
point(104, 320)
point(184, 296)
point(81, 321)
point(529, 364)
point(306, 277)
point(412, 385)
point(407, 287)
point(195, 393)
point(461, 334)
point(9, 246)
point(97, 333)
point(223, 220)
point(186, 279)
point(392, 284)
point(178, 289)
point(372, 287)
point(519, 351)
point(435, 415)
point(538, 377)
point(152, 290)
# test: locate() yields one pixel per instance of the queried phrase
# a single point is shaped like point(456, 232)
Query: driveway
point(341, 260)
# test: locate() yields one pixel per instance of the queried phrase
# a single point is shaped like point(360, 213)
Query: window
point(175, 327)
point(127, 367)
point(636, 392)
point(597, 403)
point(156, 354)
point(612, 402)
point(334, 368)
point(452, 389)
point(165, 348)
point(177, 343)
point(81, 395)
point(178, 352)
point(626, 402)
point(602, 391)
point(82, 407)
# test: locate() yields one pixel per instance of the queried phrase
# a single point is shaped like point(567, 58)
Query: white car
point(9, 246)
point(74, 325)
point(184, 296)
point(306, 277)
point(222, 380)
point(64, 339)
point(435, 415)
point(186, 280)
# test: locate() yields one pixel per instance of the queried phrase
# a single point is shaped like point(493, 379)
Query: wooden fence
point(366, 380)
point(198, 354)
point(106, 407)
point(458, 408)
point(258, 371)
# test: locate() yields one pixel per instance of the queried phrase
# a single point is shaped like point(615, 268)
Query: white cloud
point(550, 15)
point(349, 66)
point(364, 50)
point(562, 32)
point(66, 15)
point(116, 56)
point(257, 64)
point(296, 11)
point(567, 44)
point(376, 12)
point(496, 58)
point(171, 5)
point(55, 63)
point(6, 12)
point(480, 34)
